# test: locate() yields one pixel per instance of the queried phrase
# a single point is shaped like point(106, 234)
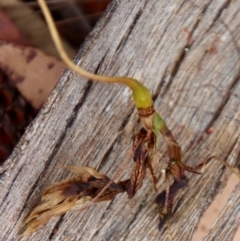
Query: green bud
point(141, 95)
point(158, 122)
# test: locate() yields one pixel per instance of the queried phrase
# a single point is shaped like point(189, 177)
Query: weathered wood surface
point(195, 85)
point(232, 209)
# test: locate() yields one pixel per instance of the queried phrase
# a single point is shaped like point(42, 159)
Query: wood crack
point(102, 217)
point(101, 62)
point(107, 152)
point(56, 226)
point(218, 15)
point(69, 123)
point(224, 102)
point(132, 221)
point(9, 190)
point(177, 64)
point(125, 38)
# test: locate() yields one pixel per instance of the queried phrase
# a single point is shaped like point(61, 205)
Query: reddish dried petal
point(138, 172)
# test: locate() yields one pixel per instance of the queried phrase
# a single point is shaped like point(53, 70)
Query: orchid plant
point(90, 185)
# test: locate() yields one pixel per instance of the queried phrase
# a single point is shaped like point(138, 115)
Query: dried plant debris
point(15, 114)
point(177, 170)
point(24, 67)
point(143, 150)
point(166, 212)
point(71, 193)
point(90, 185)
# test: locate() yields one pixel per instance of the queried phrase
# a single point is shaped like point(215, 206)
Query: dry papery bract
point(71, 193)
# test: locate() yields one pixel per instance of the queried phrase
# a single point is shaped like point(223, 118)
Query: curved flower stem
point(141, 95)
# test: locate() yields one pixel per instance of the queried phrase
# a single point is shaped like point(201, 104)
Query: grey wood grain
point(195, 86)
point(224, 227)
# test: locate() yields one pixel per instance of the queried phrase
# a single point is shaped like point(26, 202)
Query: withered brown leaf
point(161, 198)
point(138, 172)
point(71, 193)
point(143, 144)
